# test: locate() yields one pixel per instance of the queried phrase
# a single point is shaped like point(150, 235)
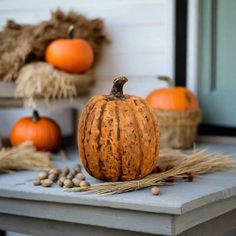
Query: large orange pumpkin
point(71, 55)
point(172, 98)
point(118, 136)
point(42, 131)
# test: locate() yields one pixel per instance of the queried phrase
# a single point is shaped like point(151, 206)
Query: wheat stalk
point(197, 163)
point(23, 157)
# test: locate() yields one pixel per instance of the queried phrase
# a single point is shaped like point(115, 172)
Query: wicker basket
point(178, 129)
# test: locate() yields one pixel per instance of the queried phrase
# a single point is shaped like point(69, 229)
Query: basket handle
point(167, 79)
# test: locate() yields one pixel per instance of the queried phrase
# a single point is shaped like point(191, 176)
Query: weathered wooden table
point(205, 207)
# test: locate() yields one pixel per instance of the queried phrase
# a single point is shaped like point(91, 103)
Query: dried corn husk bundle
point(178, 129)
point(23, 157)
point(39, 80)
point(195, 163)
point(22, 43)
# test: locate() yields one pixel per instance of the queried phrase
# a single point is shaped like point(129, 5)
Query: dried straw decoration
point(23, 157)
point(41, 81)
point(175, 165)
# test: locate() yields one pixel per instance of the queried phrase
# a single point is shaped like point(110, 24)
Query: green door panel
point(217, 61)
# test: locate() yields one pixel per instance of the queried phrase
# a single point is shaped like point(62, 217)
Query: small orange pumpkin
point(42, 131)
point(70, 55)
point(172, 98)
point(118, 136)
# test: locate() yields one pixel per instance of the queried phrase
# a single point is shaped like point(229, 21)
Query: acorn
point(155, 190)
point(68, 183)
point(54, 171)
point(70, 176)
point(52, 177)
point(46, 183)
point(84, 183)
point(78, 168)
point(76, 182)
point(37, 182)
point(80, 176)
point(42, 175)
point(65, 171)
point(73, 172)
point(61, 181)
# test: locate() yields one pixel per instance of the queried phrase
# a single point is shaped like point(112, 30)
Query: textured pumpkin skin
point(173, 99)
point(118, 139)
point(45, 133)
point(71, 55)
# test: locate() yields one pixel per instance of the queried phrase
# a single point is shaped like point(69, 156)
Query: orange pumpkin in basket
point(70, 55)
point(42, 131)
point(172, 98)
point(118, 136)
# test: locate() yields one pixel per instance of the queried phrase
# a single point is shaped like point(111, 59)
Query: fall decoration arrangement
point(178, 114)
point(118, 141)
point(173, 165)
point(68, 41)
point(23, 157)
point(118, 136)
point(43, 132)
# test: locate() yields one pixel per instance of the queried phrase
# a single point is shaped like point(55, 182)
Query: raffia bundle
point(41, 81)
point(23, 157)
point(182, 165)
point(178, 129)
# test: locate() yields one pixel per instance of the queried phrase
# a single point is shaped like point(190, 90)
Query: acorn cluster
point(65, 177)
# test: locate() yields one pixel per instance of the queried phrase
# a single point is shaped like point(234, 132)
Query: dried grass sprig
point(23, 157)
point(197, 163)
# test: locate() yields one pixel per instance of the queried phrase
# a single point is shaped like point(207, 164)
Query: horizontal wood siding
point(141, 33)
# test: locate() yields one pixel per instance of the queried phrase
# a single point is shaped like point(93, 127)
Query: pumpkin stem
point(35, 116)
point(169, 81)
point(117, 89)
point(70, 32)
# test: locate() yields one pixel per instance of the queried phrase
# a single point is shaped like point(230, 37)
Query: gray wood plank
point(203, 214)
point(39, 227)
point(173, 199)
point(90, 215)
point(219, 226)
point(175, 210)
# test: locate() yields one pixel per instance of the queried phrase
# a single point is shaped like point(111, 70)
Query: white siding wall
point(141, 33)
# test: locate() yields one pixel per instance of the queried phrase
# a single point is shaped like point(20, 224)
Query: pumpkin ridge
point(87, 134)
point(90, 109)
point(100, 162)
point(155, 125)
point(118, 139)
point(139, 135)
